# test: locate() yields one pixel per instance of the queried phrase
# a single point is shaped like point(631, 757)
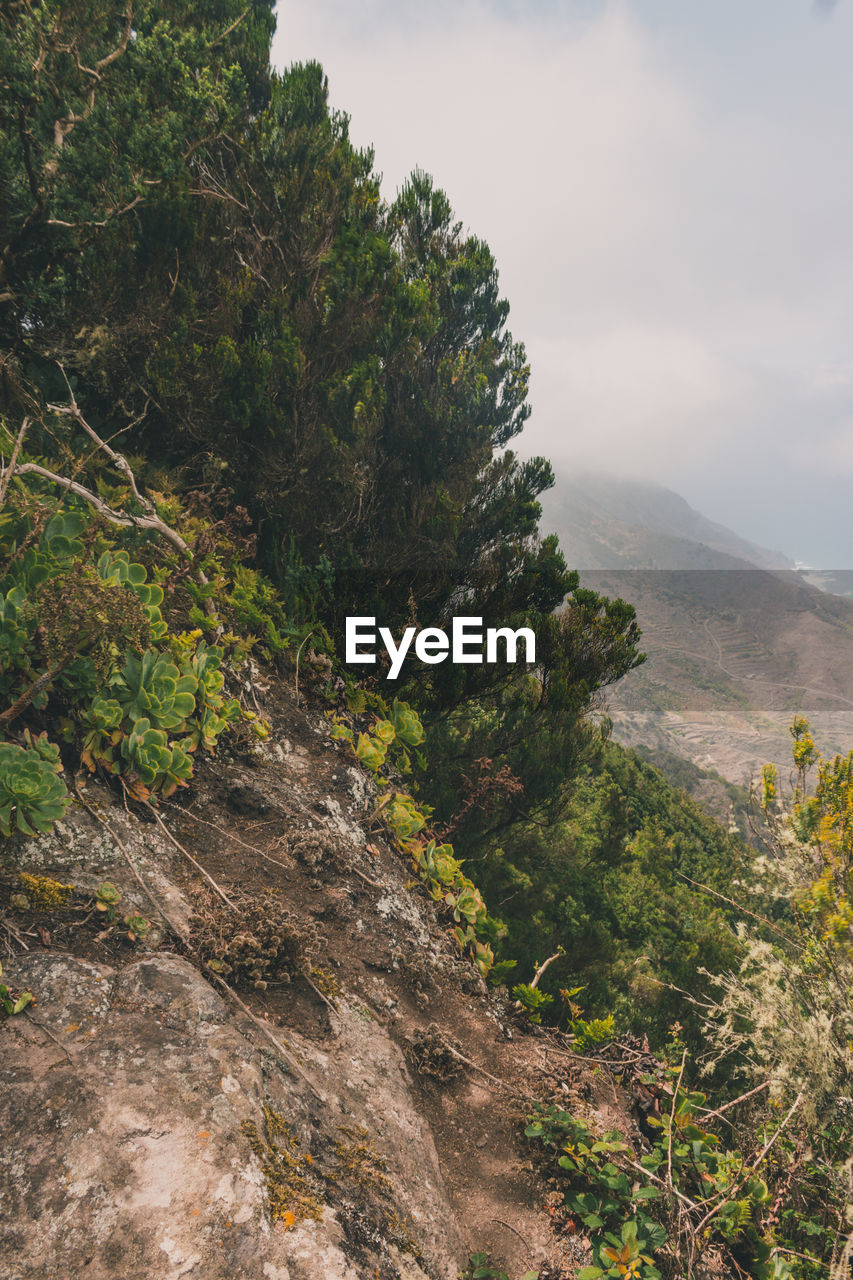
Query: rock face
point(127, 1096)
point(154, 1124)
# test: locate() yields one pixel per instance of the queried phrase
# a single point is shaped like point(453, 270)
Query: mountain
point(629, 524)
point(737, 641)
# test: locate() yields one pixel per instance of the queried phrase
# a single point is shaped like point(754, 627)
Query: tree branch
point(8, 472)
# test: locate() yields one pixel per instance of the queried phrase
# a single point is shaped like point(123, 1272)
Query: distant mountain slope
point(610, 524)
point(733, 656)
point(738, 643)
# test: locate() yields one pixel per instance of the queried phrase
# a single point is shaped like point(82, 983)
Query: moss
point(400, 1232)
point(326, 982)
point(293, 1191)
point(360, 1163)
point(45, 893)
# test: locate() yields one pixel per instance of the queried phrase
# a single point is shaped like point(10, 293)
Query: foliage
point(480, 1268)
point(532, 1000)
point(11, 1003)
point(785, 1013)
point(83, 631)
point(474, 931)
point(31, 791)
point(688, 1198)
point(608, 882)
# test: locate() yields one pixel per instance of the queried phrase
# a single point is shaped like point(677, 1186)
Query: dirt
point(394, 1030)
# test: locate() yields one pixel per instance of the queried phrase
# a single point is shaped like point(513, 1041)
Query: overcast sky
point(668, 190)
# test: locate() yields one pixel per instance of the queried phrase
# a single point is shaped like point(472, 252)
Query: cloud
point(666, 197)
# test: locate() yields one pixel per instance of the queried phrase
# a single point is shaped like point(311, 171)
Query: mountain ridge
point(606, 523)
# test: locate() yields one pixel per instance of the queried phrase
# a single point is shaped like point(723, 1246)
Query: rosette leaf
point(31, 792)
point(150, 687)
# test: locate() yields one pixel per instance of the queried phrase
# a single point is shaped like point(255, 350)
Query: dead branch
point(561, 951)
point(118, 460)
point(8, 472)
point(209, 878)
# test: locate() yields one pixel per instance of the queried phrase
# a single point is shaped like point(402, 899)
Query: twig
point(738, 905)
point(222, 35)
point(710, 1115)
point(515, 1232)
point(321, 994)
point(227, 834)
point(93, 813)
point(9, 471)
point(287, 1054)
point(374, 884)
point(48, 1032)
point(118, 460)
point(16, 933)
point(454, 1053)
point(755, 1164)
point(647, 1173)
point(209, 878)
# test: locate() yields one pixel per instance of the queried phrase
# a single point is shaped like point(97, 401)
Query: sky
point(667, 188)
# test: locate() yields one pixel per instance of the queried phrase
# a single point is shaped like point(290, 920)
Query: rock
point(125, 1152)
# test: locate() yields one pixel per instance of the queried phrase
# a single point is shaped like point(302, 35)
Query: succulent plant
point(151, 687)
point(31, 792)
point(213, 712)
point(10, 1003)
point(466, 903)
point(480, 952)
point(159, 765)
point(437, 868)
point(407, 725)
point(102, 722)
point(58, 546)
point(403, 817)
point(371, 751)
point(107, 898)
point(138, 927)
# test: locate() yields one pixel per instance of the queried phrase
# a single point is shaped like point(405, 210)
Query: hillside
point(737, 643)
point(155, 1127)
point(605, 523)
point(733, 656)
point(310, 971)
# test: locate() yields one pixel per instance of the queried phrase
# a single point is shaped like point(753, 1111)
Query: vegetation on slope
point(314, 392)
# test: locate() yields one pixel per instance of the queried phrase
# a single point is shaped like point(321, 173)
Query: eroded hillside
point(363, 1119)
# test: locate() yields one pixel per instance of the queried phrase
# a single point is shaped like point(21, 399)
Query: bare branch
point(121, 464)
point(209, 878)
point(8, 472)
point(108, 512)
point(560, 952)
